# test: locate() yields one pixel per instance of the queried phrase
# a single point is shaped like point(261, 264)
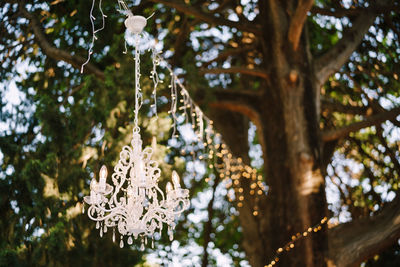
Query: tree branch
point(55, 53)
point(225, 54)
point(351, 243)
point(337, 12)
point(252, 72)
point(335, 106)
point(337, 56)
point(369, 121)
point(347, 12)
point(221, 6)
point(297, 22)
point(209, 18)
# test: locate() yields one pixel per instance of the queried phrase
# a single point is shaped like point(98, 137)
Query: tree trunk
point(288, 113)
point(228, 122)
point(292, 163)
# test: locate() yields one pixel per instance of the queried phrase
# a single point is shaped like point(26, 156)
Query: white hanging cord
point(94, 31)
point(154, 76)
point(138, 93)
point(229, 163)
point(123, 8)
point(174, 100)
point(150, 15)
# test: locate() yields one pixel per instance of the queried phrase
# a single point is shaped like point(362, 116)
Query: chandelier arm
point(179, 211)
point(122, 179)
point(103, 218)
point(161, 193)
point(111, 210)
point(156, 213)
point(114, 199)
point(119, 210)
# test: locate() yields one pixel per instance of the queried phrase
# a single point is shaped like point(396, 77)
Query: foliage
point(66, 125)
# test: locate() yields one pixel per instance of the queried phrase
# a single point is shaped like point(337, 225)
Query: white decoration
point(134, 204)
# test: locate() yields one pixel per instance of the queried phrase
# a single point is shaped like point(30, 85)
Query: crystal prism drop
point(101, 232)
point(130, 240)
point(113, 238)
point(105, 228)
point(142, 247)
point(171, 237)
point(121, 244)
point(83, 209)
point(152, 243)
point(97, 225)
point(145, 240)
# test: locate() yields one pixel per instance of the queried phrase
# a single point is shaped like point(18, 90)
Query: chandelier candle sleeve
point(175, 180)
point(103, 176)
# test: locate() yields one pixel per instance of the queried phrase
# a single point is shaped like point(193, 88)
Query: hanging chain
point(138, 93)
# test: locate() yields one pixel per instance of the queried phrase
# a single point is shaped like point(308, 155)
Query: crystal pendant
point(142, 247)
point(171, 236)
point(105, 228)
point(113, 238)
point(121, 244)
point(130, 240)
point(83, 209)
point(152, 242)
point(97, 225)
point(101, 232)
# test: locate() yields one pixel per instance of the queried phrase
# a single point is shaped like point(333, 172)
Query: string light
point(231, 169)
point(290, 245)
point(94, 31)
point(215, 150)
point(174, 100)
point(154, 76)
point(134, 203)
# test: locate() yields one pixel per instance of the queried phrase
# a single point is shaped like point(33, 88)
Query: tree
point(319, 80)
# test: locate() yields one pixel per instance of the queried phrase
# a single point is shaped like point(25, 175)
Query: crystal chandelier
point(134, 204)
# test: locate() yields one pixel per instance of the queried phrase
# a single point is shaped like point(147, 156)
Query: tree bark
point(287, 113)
point(253, 240)
point(291, 137)
point(351, 243)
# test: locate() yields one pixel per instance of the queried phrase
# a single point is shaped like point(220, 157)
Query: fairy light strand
point(231, 168)
point(154, 76)
point(174, 98)
point(94, 31)
point(290, 245)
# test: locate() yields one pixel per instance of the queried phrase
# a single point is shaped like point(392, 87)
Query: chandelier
point(134, 204)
